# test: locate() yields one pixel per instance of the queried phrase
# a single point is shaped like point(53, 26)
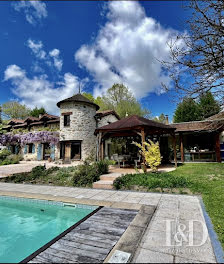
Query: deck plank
point(91, 241)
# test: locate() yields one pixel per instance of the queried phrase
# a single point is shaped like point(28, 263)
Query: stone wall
point(82, 126)
point(105, 120)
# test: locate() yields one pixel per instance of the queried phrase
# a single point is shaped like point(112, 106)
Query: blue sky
point(48, 48)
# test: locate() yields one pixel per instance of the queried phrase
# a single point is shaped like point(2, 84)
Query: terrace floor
point(165, 240)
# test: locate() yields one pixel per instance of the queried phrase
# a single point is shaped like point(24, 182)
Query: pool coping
point(126, 242)
point(217, 247)
point(51, 242)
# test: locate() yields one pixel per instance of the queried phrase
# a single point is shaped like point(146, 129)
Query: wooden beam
point(174, 149)
point(181, 147)
point(217, 148)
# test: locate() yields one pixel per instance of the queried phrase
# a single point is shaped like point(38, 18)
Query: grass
point(206, 180)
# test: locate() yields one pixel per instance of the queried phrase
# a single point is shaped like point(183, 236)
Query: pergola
point(132, 126)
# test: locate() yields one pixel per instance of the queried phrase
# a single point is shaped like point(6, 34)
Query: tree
point(36, 112)
point(120, 99)
point(208, 105)
point(186, 111)
point(197, 57)
point(13, 109)
point(89, 96)
point(161, 119)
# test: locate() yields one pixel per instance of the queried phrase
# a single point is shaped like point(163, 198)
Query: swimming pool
point(28, 224)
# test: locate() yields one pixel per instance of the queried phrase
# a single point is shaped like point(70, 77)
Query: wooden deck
point(91, 241)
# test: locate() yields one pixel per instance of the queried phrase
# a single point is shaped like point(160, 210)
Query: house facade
point(82, 131)
point(75, 127)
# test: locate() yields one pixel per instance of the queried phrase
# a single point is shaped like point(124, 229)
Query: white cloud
point(38, 91)
point(57, 61)
point(34, 10)
point(128, 49)
point(37, 48)
point(50, 59)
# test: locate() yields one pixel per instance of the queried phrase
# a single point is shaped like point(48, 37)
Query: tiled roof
point(32, 118)
point(132, 122)
point(15, 121)
point(107, 112)
point(78, 98)
point(206, 125)
point(217, 116)
point(48, 116)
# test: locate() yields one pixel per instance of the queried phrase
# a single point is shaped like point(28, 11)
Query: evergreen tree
point(187, 110)
point(208, 105)
point(36, 112)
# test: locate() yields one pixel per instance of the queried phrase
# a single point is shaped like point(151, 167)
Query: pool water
point(27, 224)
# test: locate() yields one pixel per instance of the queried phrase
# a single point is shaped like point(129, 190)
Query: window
point(30, 148)
point(66, 120)
point(76, 150)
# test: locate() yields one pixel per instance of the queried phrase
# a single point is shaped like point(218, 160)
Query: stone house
point(78, 120)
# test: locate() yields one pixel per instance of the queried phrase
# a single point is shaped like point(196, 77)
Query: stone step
point(109, 177)
point(103, 185)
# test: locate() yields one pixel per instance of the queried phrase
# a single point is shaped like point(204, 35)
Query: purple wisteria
point(31, 137)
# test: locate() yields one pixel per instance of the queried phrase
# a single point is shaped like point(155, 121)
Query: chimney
point(40, 115)
point(167, 120)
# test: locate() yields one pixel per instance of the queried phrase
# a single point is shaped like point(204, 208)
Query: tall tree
point(36, 112)
point(187, 110)
point(198, 55)
point(13, 109)
point(208, 105)
point(120, 99)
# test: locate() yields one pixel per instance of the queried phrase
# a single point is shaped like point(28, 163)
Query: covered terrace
point(136, 127)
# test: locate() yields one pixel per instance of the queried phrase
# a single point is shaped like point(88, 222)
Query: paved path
point(154, 246)
point(25, 166)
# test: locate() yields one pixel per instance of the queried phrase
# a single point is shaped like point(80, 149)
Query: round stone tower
point(77, 126)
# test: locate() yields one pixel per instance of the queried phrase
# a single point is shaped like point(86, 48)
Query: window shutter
point(53, 152)
point(16, 149)
point(39, 152)
point(25, 149)
point(33, 149)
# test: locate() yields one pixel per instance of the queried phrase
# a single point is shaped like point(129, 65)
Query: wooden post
point(181, 147)
point(143, 140)
point(217, 148)
point(174, 149)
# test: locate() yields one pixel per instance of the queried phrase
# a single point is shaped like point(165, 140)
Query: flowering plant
point(31, 137)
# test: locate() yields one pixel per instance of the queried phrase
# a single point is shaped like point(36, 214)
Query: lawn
point(206, 180)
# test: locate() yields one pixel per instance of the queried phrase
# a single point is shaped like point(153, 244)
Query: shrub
point(103, 166)
point(151, 181)
point(86, 174)
point(4, 154)
point(151, 152)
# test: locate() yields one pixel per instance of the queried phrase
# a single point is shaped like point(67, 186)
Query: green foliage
point(120, 99)
point(191, 110)
point(81, 175)
point(208, 105)
point(151, 152)
point(6, 157)
point(37, 111)
point(13, 109)
point(150, 181)
point(186, 111)
point(4, 154)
